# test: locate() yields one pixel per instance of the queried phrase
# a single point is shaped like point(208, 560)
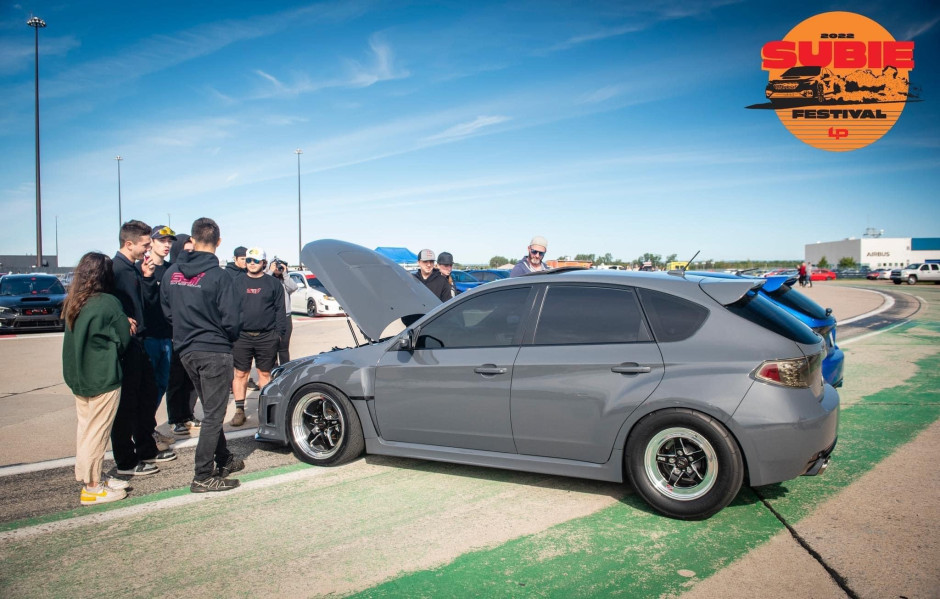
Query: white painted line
point(885, 330)
point(14, 336)
point(153, 506)
point(886, 304)
point(70, 461)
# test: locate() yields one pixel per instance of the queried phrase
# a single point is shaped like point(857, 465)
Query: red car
point(821, 274)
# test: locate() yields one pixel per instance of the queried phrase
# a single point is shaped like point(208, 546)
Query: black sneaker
point(141, 469)
point(234, 464)
point(194, 423)
point(164, 456)
point(252, 385)
point(181, 429)
point(213, 483)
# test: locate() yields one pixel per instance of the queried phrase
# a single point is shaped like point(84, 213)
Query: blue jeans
point(160, 351)
point(211, 373)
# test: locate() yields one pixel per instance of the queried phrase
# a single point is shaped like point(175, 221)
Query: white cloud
point(466, 129)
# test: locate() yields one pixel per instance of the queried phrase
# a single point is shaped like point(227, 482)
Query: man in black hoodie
point(180, 392)
point(135, 449)
point(200, 301)
point(431, 277)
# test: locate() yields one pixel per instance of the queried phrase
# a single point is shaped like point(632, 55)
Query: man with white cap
point(431, 277)
point(533, 262)
point(263, 323)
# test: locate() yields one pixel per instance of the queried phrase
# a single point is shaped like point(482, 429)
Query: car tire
point(323, 426)
point(911, 280)
point(896, 281)
point(311, 308)
point(713, 470)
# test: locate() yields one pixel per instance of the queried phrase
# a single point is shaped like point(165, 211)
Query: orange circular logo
point(838, 81)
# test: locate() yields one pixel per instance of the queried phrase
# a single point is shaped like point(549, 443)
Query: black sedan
point(30, 303)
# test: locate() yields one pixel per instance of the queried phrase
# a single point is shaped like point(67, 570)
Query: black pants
point(180, 393)
point(135, 421)
point(283, 348)
point(212, 374)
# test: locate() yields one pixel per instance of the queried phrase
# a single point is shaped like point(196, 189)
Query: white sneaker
point(114, 483)
point(101, 494)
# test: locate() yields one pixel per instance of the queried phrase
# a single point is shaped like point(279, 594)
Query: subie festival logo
point(838, 81)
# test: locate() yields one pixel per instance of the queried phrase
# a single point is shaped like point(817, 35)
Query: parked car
point(31, 302)
point(879, 273)
point(683, 384)
point(911, 274)
point(488, 275)
point(311, 297)
point(822, 274)
point(464, 281)
point(779, 289)
point(789, 272)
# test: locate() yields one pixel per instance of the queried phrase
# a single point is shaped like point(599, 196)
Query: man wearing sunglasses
point(533, 262)
point(263, 321)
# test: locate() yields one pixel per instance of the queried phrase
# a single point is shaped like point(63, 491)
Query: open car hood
point(373, 290)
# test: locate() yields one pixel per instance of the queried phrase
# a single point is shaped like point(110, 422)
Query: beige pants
point(95, 418)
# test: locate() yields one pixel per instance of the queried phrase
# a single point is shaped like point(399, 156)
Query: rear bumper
point(785, 432)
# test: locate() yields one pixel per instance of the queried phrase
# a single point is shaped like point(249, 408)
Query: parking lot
point(396, 527)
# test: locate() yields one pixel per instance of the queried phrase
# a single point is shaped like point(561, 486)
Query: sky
point(607, 127)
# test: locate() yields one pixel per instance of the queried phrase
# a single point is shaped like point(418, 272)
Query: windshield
point(31, 286)
point(315, 283)
point(802, 72)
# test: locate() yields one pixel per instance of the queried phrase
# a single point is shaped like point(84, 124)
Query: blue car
point(778, 289)
point(488, 275)
point(464, 281)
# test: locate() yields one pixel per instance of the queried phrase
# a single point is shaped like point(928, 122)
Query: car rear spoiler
point(728, 291)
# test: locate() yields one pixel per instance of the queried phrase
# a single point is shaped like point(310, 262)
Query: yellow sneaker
point(101, 494)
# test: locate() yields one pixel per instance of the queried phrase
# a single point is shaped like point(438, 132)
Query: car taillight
point(801, 373)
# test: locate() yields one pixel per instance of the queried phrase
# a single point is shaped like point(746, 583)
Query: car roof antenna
point(689, 263)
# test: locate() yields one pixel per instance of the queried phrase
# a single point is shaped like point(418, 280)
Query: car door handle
point(490, 369)
point(630, 368)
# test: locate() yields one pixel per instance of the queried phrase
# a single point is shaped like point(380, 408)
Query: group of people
point(439, 277)
point(163, 318)
point(805, 272)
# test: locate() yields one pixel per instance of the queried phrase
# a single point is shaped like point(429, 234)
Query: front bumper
point(20, 322)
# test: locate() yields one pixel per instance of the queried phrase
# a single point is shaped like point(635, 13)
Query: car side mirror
point(407, 341)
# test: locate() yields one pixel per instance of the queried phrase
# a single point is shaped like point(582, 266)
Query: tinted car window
point(579, 314)
point(299, 279)
point(760, 310)
point(491, 319)
point(672, 318)
point(31, 286)
point(799, 302)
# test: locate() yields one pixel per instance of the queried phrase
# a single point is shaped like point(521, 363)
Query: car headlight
point(7, 311)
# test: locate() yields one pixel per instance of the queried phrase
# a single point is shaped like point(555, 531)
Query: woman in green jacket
point(96, 335)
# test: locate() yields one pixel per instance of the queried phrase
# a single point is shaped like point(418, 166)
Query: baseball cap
point(240, 251)
point(162, 232)
point(446, 259)
point(256, 253)
point(425, 255)
point(539, 241)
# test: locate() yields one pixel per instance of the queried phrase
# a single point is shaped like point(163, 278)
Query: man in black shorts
point(263, 323)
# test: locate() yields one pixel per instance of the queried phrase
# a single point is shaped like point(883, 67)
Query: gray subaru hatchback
point(687, 386)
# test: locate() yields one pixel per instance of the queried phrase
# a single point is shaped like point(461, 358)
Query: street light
point(120, 218)
point(37, 23)
point(298, 151)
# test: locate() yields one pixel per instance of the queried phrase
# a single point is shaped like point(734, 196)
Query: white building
point(875, 252)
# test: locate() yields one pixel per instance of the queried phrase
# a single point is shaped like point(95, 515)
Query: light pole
point(120, 218)
point(56, 239)
point(300, 264)
point(37, 23)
